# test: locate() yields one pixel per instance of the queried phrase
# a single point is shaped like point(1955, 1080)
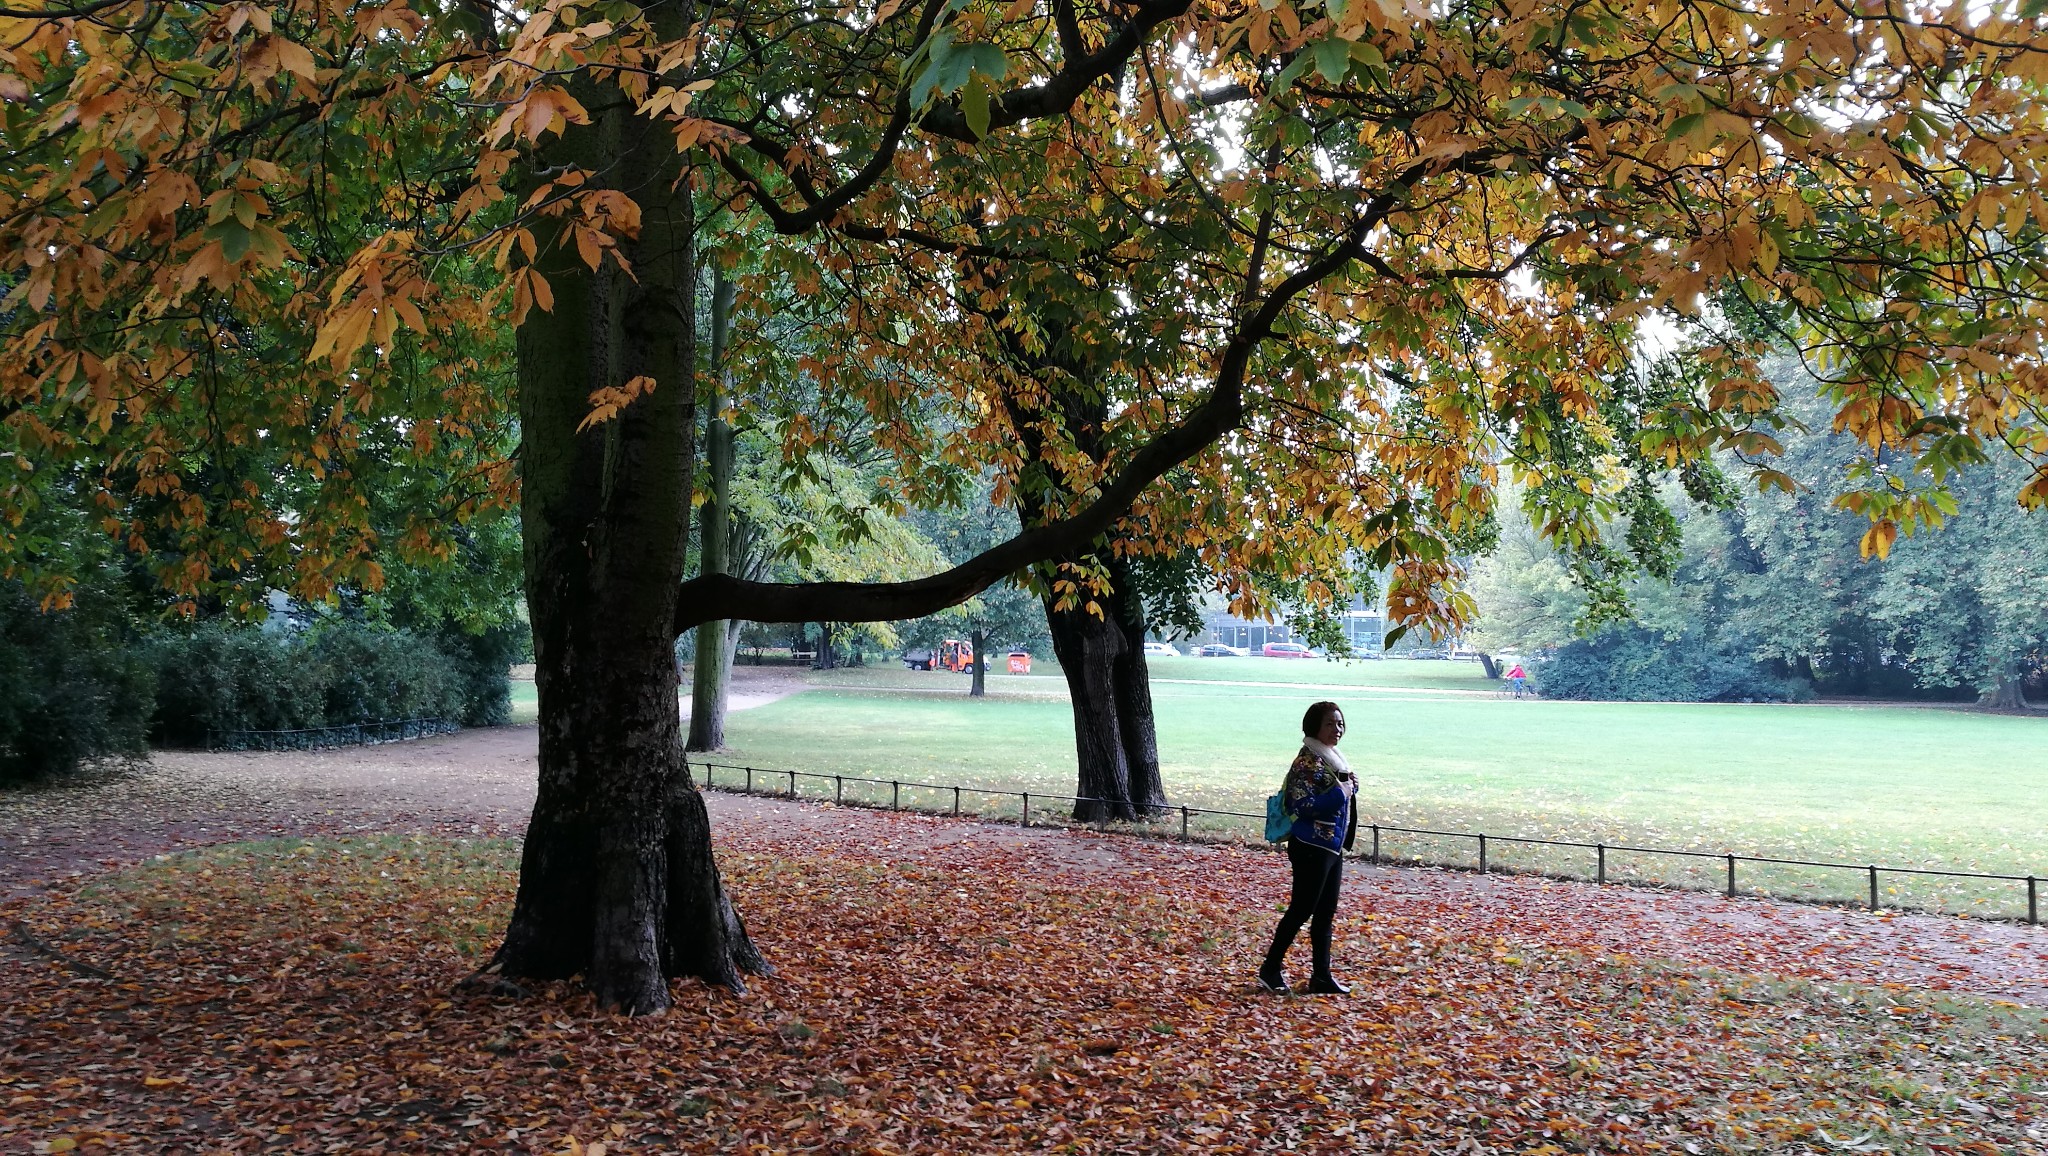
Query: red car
point(1286, 650)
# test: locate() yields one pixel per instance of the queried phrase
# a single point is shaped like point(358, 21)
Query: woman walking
point(1318, 793)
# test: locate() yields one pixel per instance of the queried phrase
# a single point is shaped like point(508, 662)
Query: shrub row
point(71, 689)
point(76, 686)
point(217, 679)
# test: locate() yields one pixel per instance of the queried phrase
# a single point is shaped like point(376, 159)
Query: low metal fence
point(1725, 865)
point(347, 735)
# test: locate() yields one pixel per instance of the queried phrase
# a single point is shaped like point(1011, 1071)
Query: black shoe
point(1327, 984)
point(1272, 980)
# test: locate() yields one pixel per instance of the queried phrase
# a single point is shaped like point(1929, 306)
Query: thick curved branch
point(714, 596)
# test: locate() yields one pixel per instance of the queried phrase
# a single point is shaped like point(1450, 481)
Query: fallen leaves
point(941, 996)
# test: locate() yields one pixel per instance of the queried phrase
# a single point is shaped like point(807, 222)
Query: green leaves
point(967, 69)
point(1332, 59)
point(974, 104)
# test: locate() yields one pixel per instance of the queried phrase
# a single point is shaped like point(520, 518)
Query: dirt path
point(483, 782)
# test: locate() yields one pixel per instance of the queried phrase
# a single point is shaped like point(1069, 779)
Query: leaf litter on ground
point(941, 994)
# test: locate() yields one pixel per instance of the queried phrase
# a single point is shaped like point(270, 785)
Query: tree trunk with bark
point(617, 882)
point(1115, 740)
point(1488, 665)
point(2008, 693)
point(711, 674)
point(977, 685)
point(1135, 721)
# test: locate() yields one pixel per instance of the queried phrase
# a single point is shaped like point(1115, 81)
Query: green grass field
point(1437, 748)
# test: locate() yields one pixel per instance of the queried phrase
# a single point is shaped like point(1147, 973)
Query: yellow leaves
point(2034, 495)
point(607, 401)
point(545, 108)
point(1877, 541)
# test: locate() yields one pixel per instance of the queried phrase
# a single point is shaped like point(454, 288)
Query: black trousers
point(1318, 877)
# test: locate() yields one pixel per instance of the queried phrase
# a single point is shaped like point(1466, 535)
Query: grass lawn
point(1894, 785)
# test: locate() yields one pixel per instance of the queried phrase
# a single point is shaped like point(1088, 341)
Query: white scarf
point(1326, 753)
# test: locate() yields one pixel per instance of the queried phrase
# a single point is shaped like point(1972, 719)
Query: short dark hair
point(1312, 722)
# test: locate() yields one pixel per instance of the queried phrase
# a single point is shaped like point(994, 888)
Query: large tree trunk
point(711, 674)
point(617, 882)
point(977, 685)
point(2008, 693)
point(1133, 684)
point(1115, 741)
point(1487, 664)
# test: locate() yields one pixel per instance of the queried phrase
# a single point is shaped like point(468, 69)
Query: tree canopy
point(252, 248)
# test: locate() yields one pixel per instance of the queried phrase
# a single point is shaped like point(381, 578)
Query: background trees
point(1770, 596)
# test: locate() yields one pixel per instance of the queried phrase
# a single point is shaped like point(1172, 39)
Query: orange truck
point(956, 655)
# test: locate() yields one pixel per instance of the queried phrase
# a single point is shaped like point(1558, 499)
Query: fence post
point(750, 780)
point(2033, 904)
point(956, 802)
point(1873, 887)
point(1600, 850)
point(1375, 843)
point(838, 788)
point(1027, 807)
point(1183, 824)
point(1482, 854)
point(1731, 876)
point(792, 784)
point(895, 795)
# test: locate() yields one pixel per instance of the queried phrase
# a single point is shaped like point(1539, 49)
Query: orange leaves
point(271, 55)
point(379, 289)
point(671, 101)
point(529, 289)
point(545, 108)
point(607, 401)
point(912, 1015)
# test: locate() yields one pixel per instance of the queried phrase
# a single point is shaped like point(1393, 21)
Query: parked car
point(1161, 650)
point(1286, 650)
point(1428, 652)
point(1220, 650)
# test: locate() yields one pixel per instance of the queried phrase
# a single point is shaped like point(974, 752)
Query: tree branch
point(713, 596)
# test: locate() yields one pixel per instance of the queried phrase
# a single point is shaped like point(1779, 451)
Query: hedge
point(216, 679)
point(72, 689)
